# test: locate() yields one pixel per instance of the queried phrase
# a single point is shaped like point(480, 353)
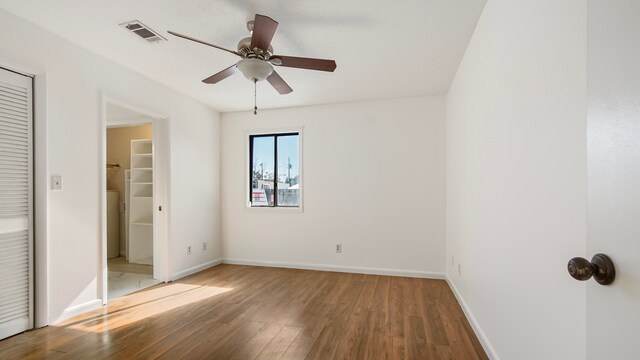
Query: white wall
point(516, 177)
point(74, 79)
point(373, 176)
point(613, 312)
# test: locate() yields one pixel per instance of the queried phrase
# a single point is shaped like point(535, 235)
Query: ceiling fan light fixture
point(255, 69)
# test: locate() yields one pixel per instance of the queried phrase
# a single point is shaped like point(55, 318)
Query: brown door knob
point(600, 268)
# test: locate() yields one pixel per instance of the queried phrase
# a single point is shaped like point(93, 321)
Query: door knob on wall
point(601, 268)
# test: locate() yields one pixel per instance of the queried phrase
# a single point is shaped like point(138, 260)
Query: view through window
point(274, 172)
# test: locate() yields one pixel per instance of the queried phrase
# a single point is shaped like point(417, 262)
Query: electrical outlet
point(338, 248)
point(56, 183)
point(204, 246)
point(459, 270)
point(188, 250)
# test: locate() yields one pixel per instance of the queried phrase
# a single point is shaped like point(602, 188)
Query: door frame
point(160, 139)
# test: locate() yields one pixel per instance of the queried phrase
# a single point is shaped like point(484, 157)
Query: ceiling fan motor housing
point(244, 49)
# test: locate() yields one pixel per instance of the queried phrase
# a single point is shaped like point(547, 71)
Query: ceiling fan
point(258, 57)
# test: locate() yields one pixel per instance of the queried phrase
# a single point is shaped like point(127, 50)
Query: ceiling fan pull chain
point(255, 97)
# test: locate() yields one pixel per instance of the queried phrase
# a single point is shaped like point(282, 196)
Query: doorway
point(132, 192)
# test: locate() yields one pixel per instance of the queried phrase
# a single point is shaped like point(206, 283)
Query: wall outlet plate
point(188, 250)
point(204, 246)
point(56, 183)
point(338, 248)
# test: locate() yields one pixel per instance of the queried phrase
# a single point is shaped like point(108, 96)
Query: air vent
point(143, 31)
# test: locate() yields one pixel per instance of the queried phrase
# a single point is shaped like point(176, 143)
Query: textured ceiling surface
point(384, 49)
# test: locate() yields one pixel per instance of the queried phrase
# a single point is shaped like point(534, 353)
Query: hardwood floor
point(244, 312)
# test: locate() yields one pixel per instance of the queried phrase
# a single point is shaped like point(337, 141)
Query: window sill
point(265, 209)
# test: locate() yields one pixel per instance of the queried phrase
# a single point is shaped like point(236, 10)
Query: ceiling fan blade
point(303, 63)
point(276, 81)
point(202, 42)
point(215, 78)
point(264, 28)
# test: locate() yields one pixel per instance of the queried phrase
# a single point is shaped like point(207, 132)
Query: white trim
point(272, 209)
point(260, 131)
point(273, 130)
point(78, 309)
point(484, 340)
point(20, 67)
point(160, 126)
point(338, 268)
point(41, 193)
point(195, 269)
point(145, 112)
point(129, 122)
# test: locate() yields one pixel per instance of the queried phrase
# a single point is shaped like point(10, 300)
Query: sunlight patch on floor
point(138, 306)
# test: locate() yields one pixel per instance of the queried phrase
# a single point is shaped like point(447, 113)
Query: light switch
point(56, 182)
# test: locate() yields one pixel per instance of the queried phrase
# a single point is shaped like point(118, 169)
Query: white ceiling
point(384, 49)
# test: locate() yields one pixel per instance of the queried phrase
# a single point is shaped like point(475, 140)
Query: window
point(274, 170)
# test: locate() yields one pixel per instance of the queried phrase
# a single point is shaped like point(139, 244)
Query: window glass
point(288, 172)
point(274, 173)
point(263, 171)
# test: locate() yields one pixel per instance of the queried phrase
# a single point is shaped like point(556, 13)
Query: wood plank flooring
point(245, 312)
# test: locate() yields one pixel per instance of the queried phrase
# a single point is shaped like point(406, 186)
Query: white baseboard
point(337, 268)
point(195, 269)
point(486, 345)
point(77, 310)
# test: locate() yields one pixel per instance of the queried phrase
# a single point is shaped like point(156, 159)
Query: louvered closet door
point(16, 199)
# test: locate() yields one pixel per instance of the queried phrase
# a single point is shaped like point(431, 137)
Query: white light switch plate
point(56, 182)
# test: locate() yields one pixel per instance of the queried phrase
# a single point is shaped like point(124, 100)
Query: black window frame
point(275, 162)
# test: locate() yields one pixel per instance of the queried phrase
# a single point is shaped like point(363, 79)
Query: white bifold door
point(16, 199)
